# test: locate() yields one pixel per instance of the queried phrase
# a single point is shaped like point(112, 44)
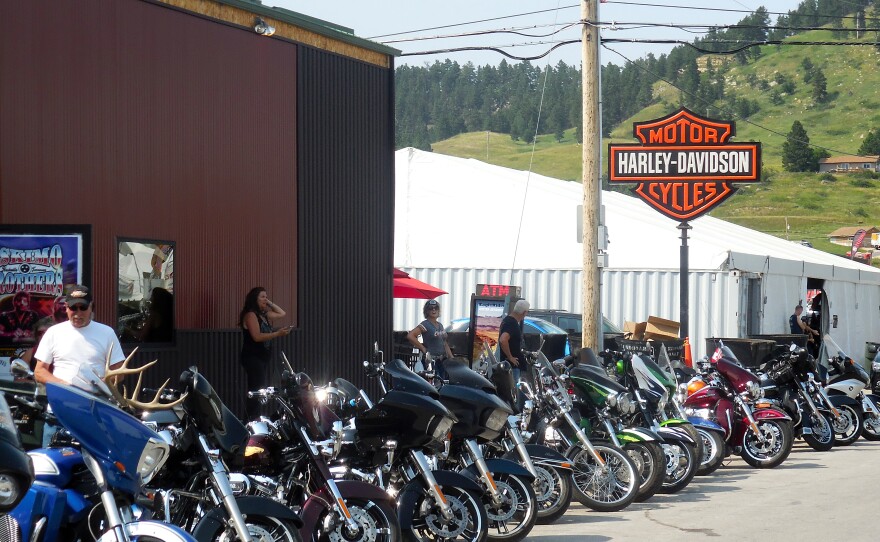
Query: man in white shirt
point(80, 340)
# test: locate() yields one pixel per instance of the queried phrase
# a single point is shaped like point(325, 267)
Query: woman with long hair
point(255, 322)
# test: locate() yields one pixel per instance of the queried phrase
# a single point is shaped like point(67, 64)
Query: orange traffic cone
point(686, 350)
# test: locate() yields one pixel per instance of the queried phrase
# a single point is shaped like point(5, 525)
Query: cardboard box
point(661, 328)
point(634, 331)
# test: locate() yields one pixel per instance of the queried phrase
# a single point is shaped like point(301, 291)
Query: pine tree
point(820, 90)
point(796, 152)
point(871, 144)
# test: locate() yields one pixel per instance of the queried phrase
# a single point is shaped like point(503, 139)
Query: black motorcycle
point(482, 418)
point(194, 489)
point(283, 462)
point(393, 443)
point(790, 381)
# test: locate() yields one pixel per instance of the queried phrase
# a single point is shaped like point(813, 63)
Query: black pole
point(684, 308)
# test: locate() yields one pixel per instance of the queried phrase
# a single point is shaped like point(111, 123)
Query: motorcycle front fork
point(220, 480)
point(424, 469)
point(476, 456)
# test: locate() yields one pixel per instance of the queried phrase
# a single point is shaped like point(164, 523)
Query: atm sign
point(684, 164)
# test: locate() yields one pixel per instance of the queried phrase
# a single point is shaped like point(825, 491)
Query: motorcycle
point(731, 396)
point(16, 473)
point(681, 443)
point(551, 470)
point(604, 408)
point(790, 382)
point(482, 417)
point(844, 384)
point(122, 456)
point(282, 463)
point(669, 375)
point(195, 491)
point(388, 443)
point(605, 477)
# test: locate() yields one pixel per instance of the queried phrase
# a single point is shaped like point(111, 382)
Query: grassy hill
point(811, 206)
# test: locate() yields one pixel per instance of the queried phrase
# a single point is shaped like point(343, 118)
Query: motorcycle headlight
point(152, 458)
point(755, 390)
point(625, 403)
point(10, 490)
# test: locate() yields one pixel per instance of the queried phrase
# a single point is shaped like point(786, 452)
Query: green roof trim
point(318, 26)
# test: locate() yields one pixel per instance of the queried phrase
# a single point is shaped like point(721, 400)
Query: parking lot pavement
point(829, 496)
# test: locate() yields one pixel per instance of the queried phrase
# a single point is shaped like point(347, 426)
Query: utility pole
point(590, 174)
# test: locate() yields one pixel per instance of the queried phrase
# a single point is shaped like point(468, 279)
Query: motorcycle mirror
point(20, 369)
point(286, 361)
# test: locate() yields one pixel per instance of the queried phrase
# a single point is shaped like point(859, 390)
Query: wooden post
point(590, 174)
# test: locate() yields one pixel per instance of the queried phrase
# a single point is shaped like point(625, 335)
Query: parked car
point(572, 323)
point(533, 328)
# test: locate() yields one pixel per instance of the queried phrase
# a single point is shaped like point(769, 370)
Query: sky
point(378, 20)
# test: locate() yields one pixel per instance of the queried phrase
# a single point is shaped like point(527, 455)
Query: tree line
point(437, 101)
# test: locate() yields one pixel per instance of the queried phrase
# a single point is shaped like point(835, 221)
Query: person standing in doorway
point(433, 345)
point(799, 327)
point(255, 322)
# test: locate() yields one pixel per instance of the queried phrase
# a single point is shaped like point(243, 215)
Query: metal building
point(262, 159)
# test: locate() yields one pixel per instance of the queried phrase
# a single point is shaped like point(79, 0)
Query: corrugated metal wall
point(346, 200)
point(626, 295)
point(150, 122)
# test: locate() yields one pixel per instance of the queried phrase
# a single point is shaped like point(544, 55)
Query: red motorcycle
point(731, 396)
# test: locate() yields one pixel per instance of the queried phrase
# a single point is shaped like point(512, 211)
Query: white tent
point(460, 222)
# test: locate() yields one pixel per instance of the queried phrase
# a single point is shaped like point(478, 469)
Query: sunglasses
point(434, 308)
point(78, 308)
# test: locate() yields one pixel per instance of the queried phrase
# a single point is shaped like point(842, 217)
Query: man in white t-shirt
point(80, 340)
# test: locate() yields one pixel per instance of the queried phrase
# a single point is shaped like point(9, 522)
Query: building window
point(145, 291)
point(866, 166)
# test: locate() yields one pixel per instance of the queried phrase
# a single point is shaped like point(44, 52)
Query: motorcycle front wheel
point(681, 466)
point(871, 428)
point(650, 463)
point(607, 487)
point(469, 522)
point(822, 437)
point(263, 529)
point(847, 426)
point(377, 522)
point(553, 492)
point(773, 450)
point(516, 516)
point(714, 451)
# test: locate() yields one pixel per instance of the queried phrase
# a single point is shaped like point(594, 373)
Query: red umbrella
point(406, 286)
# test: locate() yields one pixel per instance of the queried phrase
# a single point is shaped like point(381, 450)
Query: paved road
point(826, 496)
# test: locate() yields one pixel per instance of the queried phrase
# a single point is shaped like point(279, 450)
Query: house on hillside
point(847, 164)
point(844, 236)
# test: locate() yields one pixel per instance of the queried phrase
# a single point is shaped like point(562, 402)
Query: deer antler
point(111, 376)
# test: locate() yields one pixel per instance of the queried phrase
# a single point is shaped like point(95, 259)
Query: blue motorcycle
point(93, 493)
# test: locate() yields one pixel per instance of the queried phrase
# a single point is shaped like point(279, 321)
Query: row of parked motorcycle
point(470, 456)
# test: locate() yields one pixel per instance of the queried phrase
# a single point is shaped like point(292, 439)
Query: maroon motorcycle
point(731, 396)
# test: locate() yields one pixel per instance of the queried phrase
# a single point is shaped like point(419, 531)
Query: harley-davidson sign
point(684, 164)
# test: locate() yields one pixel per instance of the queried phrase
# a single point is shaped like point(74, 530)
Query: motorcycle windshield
point(651, 377)
point(460, 374)
point(402, 379)
point(831, 350)
point(110, 435)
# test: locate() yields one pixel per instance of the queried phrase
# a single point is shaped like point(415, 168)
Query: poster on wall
point(34, 269)
point(486, 316)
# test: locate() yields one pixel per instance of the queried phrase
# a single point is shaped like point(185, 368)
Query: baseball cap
point(78, 295)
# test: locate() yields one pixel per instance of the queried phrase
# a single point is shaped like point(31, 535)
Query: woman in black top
point(255, 321)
